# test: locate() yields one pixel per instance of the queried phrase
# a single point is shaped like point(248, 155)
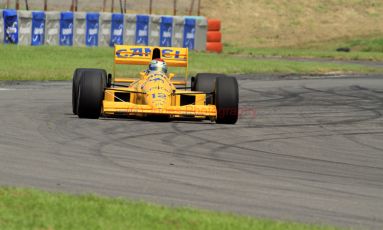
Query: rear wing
point(143, 55)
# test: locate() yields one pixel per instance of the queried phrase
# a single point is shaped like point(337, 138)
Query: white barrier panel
point(178, 30)
point(201, 34)
point(105, 28)
point(130, 29)
point(154, 33)
point(52, 28)
point(1, 27)
point(25, 27)
point(79, 28)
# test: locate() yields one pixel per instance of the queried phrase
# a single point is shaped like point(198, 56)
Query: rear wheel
point(91, 93)
point(226, 100)
point(205, 82)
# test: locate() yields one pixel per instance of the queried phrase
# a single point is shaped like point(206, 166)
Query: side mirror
point(171, 75)
point(142, 74)
point(109, 81)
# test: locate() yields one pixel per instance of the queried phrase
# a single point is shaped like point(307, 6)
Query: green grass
point(307, 53)
point(58, 63)
point(363, 48)
point(34, 209)
point(367, 45)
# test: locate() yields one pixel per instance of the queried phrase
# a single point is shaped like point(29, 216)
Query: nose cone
point(158, 90)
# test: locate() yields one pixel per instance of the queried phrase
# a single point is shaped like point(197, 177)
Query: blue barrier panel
point(142, 30)
point(117, 28)
point(11, 27)
point(189, 33)
point(38, 28)
point(66, 29)
point(92, 25)
point(166, 31)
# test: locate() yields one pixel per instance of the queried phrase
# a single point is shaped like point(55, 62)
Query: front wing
point(186, 110)
point(113, 104)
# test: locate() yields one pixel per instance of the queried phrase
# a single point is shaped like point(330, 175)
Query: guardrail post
point(191, 7)
point(175, 7)
point(121, 8)
point(199, 8)
point(26, 4)
point(150, 6)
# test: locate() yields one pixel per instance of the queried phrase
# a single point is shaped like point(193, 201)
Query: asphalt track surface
point(313, 152)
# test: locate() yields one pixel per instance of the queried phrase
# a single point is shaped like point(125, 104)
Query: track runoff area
point(303, 149)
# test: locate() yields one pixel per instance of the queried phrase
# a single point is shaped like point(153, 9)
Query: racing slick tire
point(205, 82)
point(91, 93)
point(226, 100)
point(75, 83)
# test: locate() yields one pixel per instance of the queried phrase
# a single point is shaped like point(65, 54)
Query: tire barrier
point(214, 25)
point(105, 29)
point(214, 47)
point(214, 36)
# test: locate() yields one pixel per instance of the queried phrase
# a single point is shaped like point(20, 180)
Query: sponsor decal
point(93, 31)
point(117, 32)
point(38, 31)
point(166, 53)
point(67, 31)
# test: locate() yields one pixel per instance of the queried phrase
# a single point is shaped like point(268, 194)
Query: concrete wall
point(52, 29)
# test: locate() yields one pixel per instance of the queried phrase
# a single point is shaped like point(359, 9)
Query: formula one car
point(155, 93)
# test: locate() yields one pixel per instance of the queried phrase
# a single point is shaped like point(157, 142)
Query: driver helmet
point(158, 65)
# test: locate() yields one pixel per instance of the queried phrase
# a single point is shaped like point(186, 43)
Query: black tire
point(91, 93)
point(75, 83)
point(205, 82)
point(226, 100)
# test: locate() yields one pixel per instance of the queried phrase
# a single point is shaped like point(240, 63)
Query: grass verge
point(58, 63)
point(361, 49)
point(305, 53)
point(34, 209)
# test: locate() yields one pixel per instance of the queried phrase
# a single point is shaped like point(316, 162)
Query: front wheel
point(76, 82)
point(226, 100)
point(91, 93)
point(205, 82)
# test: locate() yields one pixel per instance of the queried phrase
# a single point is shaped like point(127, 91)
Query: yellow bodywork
point(154, 93)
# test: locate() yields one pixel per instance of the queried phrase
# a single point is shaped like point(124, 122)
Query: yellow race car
point(155, 92)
